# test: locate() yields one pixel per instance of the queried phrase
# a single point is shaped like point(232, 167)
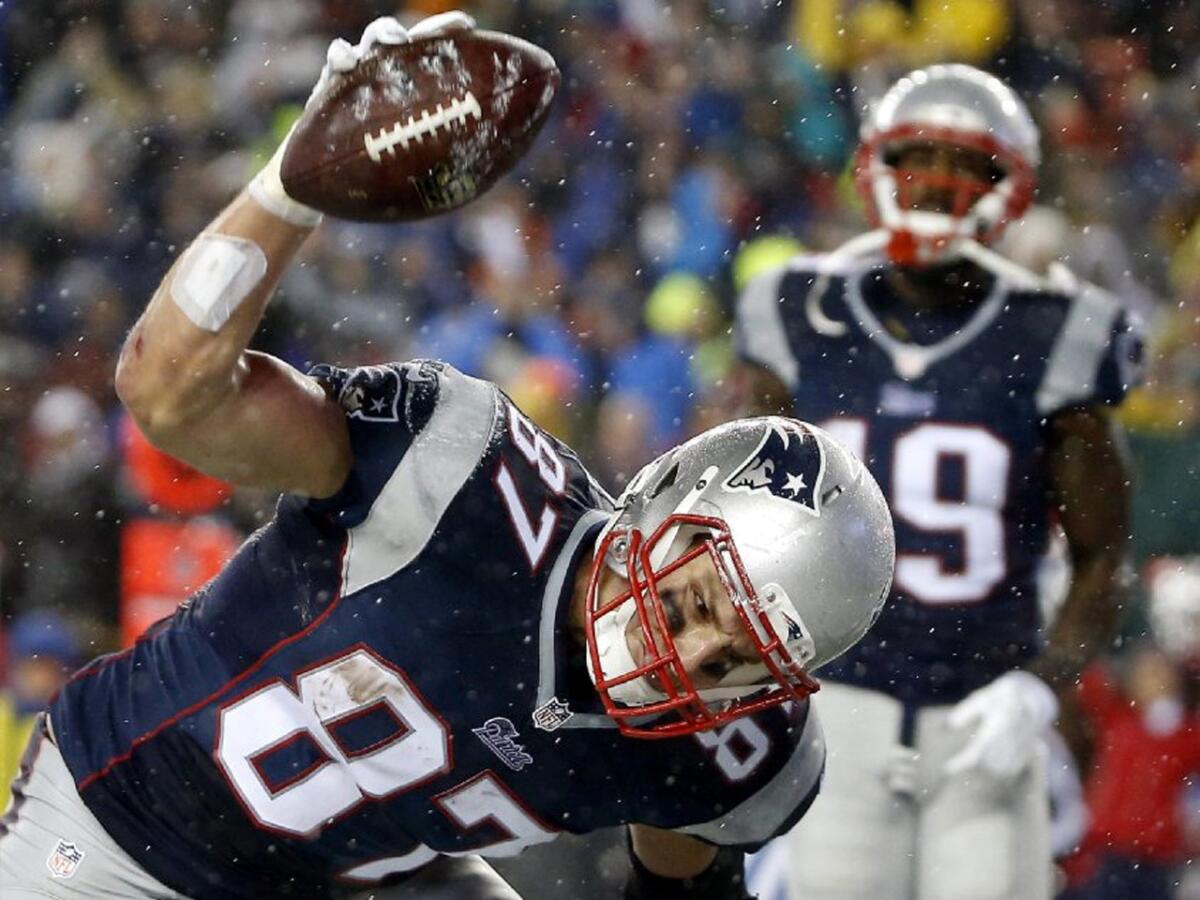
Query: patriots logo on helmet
point(789, 463)
point(794, 631)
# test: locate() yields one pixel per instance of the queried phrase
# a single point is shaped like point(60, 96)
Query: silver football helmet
point(801, 539)
point(960, 105)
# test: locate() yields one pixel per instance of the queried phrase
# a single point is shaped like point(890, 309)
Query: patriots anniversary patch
point(789, 463)
point(374, 393)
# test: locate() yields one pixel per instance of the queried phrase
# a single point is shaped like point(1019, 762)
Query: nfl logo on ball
point(64, 860)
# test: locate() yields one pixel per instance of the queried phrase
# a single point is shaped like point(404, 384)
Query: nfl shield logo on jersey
point(551, 715)
point(788, 463)
point(65, 859)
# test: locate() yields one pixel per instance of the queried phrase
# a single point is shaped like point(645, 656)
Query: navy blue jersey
point(948, 408)
point(386, 675)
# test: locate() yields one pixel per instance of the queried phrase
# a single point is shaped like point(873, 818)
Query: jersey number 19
point(975, 516)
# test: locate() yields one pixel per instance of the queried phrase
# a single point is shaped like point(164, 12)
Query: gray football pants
point(888, 823)
point(52, 846)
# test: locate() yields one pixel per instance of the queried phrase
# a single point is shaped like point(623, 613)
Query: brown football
point(421, 128)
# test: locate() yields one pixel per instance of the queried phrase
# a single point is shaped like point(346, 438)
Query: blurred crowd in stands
point(693, 143)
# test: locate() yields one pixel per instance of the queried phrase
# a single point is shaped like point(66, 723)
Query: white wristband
point(267, 189)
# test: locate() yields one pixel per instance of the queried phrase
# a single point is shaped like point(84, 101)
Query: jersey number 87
point(541, 455)
point(259, 733)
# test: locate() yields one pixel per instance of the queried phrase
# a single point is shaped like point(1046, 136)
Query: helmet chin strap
point(616, 658)
point(872, 243)
point(1000, 266)
point(875, 244)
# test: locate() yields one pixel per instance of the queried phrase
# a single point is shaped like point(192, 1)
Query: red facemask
point(682, 710)
point(977, 210)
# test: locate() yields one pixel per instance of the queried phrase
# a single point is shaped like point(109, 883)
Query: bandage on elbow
point(217, 273)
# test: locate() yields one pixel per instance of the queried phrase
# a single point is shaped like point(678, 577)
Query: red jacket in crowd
point(1137, 779)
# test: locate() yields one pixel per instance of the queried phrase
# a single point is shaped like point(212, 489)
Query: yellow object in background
point(1184, 266)
point(761, 255)
point(14, 736)
point(682, 306)
point(841, 34)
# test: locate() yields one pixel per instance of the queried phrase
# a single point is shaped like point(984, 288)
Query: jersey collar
point(912, 361)
point(552, 631)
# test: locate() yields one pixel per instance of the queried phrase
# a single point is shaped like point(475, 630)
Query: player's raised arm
point(185, 373)
point(196, 391)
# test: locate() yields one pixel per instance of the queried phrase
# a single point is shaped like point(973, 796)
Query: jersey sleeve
point(1095, 358)
point(1121, 365)
point(760, 333)
point(776, 806)
point(417, 431)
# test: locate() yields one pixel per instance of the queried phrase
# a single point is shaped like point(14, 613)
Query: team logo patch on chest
point(372, 393)
point(500, 736)
point(789, 464)
point(65, 859)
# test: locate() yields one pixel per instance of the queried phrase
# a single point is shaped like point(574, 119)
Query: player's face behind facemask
point(938, 188)
point(941, 177)
point(689, 637)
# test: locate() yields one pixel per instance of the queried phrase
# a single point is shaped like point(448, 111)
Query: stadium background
point(693, 143)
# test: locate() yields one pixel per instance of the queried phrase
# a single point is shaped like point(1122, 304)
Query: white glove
point(342, 57)
point(1006, 718)
point(902, 771)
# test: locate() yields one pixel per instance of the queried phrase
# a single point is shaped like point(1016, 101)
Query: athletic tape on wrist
point(268, 192)
point(267, 189)
point(216, 274)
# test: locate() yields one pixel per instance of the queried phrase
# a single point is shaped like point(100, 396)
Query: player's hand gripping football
point(1005, 719)
point(342, 57)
